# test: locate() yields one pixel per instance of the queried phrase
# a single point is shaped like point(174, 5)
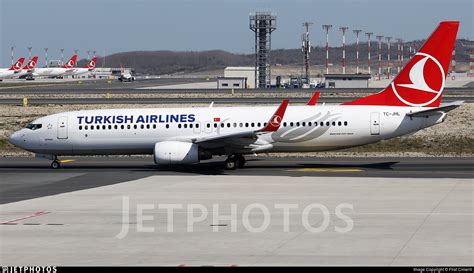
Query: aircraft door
point(62, 128)
point(375, 123)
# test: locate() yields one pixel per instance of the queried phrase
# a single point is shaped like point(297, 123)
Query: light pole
point(62, 56)
point(327, 28)
point(379, 37)
point(343, 29)
point(388, 56)
point(12, 48)
point(29, 51)
point(399, 54)
point(46, 56)
point(357, 31)
point(368, 49)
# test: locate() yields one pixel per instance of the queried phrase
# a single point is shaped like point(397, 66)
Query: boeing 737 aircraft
point(56, 71)
point(6, 73)
point(187, 135)
point(29, 68)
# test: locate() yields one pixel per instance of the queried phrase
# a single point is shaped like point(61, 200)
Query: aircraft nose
point(14, 138)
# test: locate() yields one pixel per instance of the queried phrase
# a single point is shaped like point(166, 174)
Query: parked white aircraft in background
point(29, 68)
point(56, 71)
point(7, 73)
point(187, 135)
point(86, 69)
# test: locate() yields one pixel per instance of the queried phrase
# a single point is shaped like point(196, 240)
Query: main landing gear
point(234, 161)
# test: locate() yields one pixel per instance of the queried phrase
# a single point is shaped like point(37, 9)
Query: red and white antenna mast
point(368, 49)
point(327, 28)
point(357, 31)
point(343, 29)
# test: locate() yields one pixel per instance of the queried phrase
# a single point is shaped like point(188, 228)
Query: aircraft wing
point(444, 108)
point(245, 138)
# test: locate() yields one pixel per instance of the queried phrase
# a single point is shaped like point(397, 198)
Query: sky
point(111, 26)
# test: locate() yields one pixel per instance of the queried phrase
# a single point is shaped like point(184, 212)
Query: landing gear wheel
point(241, 160)
point(231, 163)
point(55, 164)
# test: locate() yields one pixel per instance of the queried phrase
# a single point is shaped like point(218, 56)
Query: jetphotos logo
point(422, 83)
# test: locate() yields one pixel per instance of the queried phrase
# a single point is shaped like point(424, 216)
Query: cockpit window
point(33, 126)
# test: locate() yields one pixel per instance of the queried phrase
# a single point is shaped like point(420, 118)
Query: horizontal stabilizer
point(443, 108)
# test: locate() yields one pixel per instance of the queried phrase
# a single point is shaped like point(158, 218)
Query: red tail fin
point(71, 63)
point(32, 63)
point(17, 66)
point(421, 82)
point(91, 64)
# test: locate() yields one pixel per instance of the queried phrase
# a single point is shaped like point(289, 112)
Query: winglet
point(314, 98)
point(275, 121)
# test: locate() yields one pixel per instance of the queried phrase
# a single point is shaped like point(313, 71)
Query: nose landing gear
point(234, 161)
point(55, 164)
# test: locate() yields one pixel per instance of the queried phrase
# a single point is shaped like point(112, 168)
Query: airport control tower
point(263, 23)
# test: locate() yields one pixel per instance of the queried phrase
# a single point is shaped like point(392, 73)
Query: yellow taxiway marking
point(67, 160)
point(327, 170)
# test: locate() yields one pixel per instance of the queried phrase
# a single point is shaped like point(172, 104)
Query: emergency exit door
point(375, 123)
point(62, 128)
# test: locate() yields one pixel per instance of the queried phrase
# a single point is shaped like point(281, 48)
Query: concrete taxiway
point(103, 211)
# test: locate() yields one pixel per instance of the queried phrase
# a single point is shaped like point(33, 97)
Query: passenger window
point(345, 123)
point(92, 127)
point(246, 124)
point(258, 124)
point(190, 125)
point(297, 124)
point(333, 123)
point(228, 125)
point(110, 127)
point(115, 127)
point(80, 127)
point(327, 123)
point(197, 125)
point(154, 126)
point(128, 126)
point(179, 126)
point(103, 127)
point(304, 124)
point(321, 123)
point(185, 125)
point(215, 125)
point(339, 123)
point(222, 125)
point(235, 124)
point(122, 127)
point(284, 124)
point(253, 124)
point(86, 127)
point(148, 126)
point(309, 123)
point(142, 126)
point(208, 125)
point(167, 126)
point(291, 124)
point(134, 126)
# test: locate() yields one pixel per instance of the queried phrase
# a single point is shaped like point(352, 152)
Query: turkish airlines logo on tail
point(422, 84)
point(70, 63)
point(17, 66)
point(31, 64)
point(92, 64)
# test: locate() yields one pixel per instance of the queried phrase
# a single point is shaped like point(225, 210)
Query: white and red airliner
point(29, 68)
point(56, 71)
point(8, 73)
point(188, 135)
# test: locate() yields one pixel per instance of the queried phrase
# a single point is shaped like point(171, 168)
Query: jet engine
point(175, 152)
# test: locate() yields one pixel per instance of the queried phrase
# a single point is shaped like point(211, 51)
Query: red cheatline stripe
point(36, 214)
